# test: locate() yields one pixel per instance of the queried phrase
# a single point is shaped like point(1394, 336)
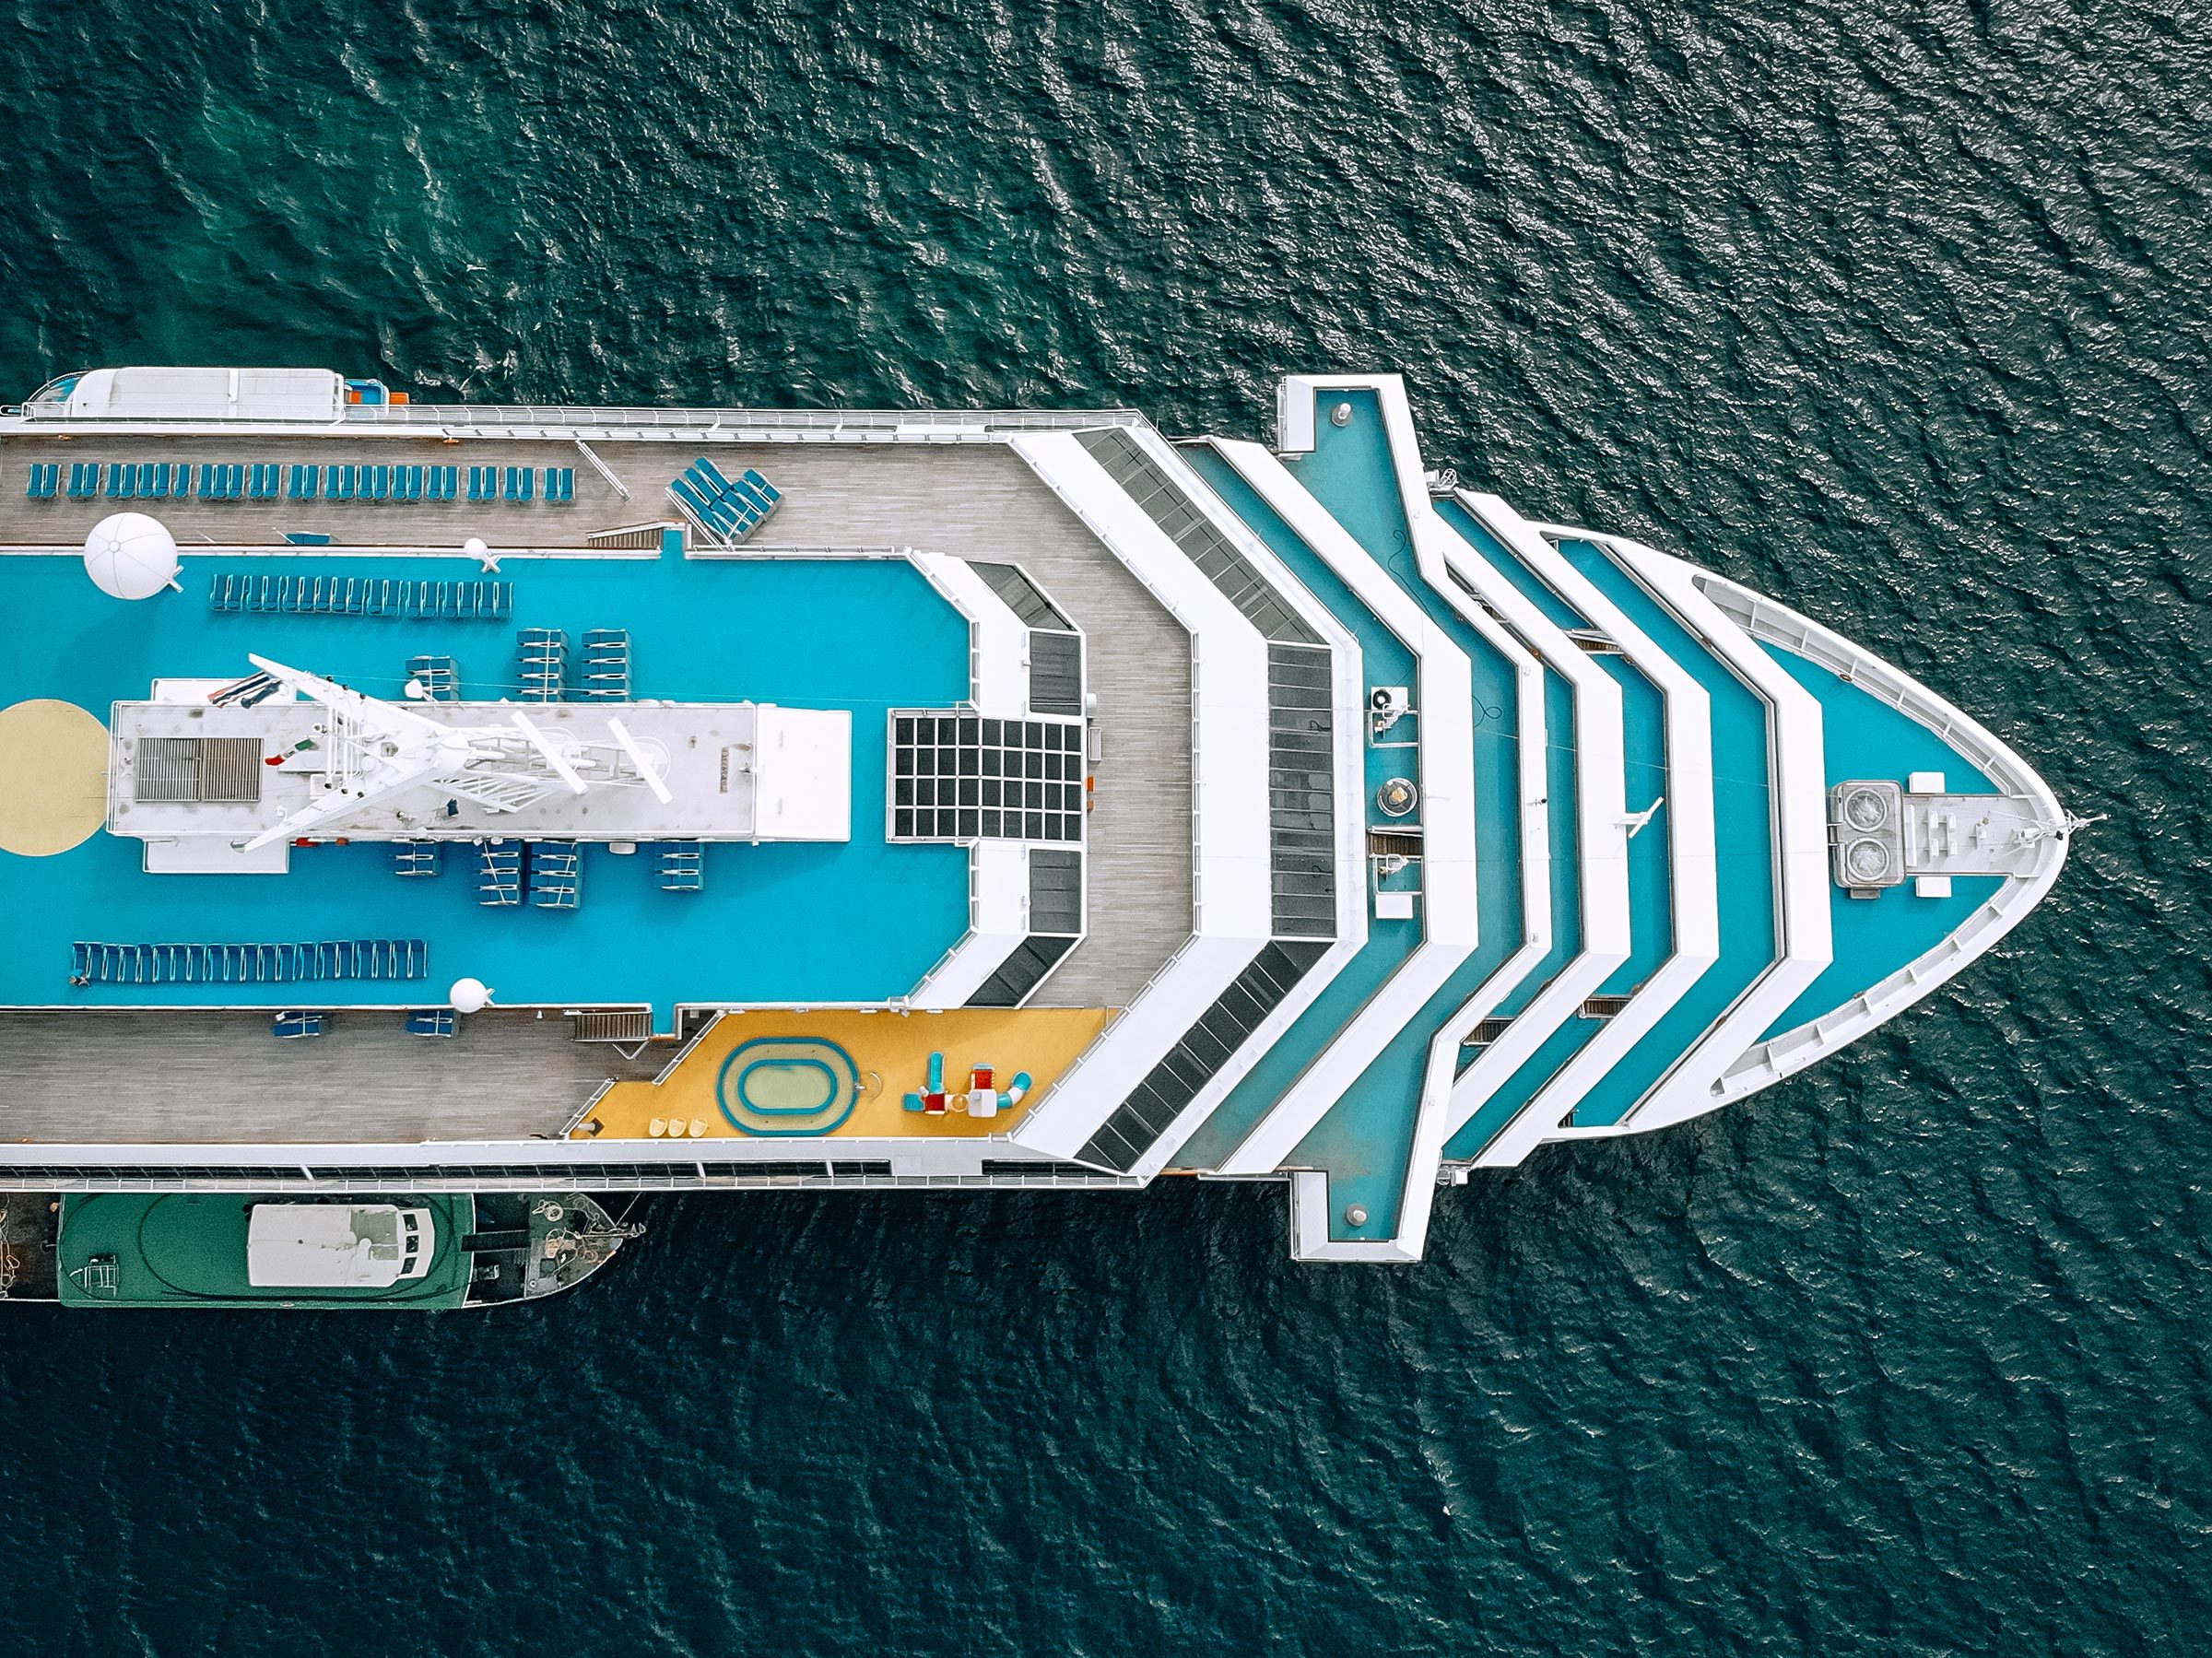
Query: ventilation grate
point(220, 769)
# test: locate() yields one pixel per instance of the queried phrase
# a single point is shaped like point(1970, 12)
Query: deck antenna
point(1634, 821)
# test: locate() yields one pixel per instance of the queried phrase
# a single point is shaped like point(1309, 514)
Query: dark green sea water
point(1898, 312)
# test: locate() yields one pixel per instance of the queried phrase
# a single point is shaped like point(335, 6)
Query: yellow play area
point(890, 1050)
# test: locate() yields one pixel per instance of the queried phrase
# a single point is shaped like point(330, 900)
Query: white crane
point(372, 749)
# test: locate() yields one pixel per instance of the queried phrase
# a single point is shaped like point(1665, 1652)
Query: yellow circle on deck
point(53, 778)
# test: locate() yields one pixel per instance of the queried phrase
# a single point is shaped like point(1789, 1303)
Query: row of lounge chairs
point(295, 1023)
point(248, 963)
point(360, 595)
point(165, 480)
point(555, 871)
point(726, 510)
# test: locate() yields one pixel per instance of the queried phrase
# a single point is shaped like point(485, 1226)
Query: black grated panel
point(1216, 1034)
point(1151, 488)
point(1022, 596)
point(1055, 673)
point(1021, 972)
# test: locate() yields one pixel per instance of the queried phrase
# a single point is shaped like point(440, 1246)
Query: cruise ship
point(417, 817)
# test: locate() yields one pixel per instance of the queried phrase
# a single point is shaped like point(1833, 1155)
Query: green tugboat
point(207, 1248)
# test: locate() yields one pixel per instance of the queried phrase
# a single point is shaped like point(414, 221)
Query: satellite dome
point(468, 995)
point(131, 555)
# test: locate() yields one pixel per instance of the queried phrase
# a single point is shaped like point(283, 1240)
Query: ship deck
point(861, 922)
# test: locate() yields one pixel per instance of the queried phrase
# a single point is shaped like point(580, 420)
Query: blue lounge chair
point(768, 491)
point(431, 1021)
point(560, 483)
point(290, 1025)
point(445, 482)
point(304, 483)
point(84, 480)
point(376, 482)
point(759, 504)
point(519, 482)
point(406, 483)
point(719, 490)
point(716, 517)
point(122, 481)
point(338, 482)
point(483, 483)
point(260, 482)
point(45, 478)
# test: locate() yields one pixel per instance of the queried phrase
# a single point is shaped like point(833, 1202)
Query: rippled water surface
point(1899, 314)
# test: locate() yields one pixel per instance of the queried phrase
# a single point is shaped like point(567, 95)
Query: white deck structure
point(1232, 907)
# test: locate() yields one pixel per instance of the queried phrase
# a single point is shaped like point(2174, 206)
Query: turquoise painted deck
point(1863, 736)
point(1644, 768)
point(1385, 660)
point(1364, 1142)
point(1743, 845)
point(1511, 1098)
point(819, 922)
point(1650, 894)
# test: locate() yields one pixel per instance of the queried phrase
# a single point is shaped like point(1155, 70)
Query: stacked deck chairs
point(248, 963)
point(431, 1021)
point(295, 1023)
point(606, 664)
point(556, 874)
point(417, 860)
point(440, 676)
point(270, 481)
point(723, 509)
point(499, 873)
point(542, 659)
point(683, 867)
point(360, 595)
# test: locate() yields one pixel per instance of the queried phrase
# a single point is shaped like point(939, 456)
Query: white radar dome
point(469, 995)
point(131, 555)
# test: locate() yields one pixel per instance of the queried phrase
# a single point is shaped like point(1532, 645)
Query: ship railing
point(565, 420)
point(584, 1174)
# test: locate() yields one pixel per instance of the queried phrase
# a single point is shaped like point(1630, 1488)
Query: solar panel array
point(962, 777)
